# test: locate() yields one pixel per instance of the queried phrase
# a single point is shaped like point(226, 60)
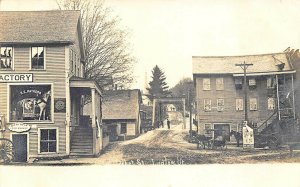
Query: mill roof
point(263, 63)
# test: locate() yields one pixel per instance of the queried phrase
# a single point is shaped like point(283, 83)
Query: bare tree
point(106, 47)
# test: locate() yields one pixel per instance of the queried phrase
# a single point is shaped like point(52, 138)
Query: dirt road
point(170, 147)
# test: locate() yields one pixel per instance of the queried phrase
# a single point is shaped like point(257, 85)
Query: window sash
point(253, 104)
point(271, 103)
point(48, 145)
point(207, 104)
point(37, 58)
point(6, 57)
point(239, 104)
point(206, 84)
point(219, 84)
point(270, 82)
point(252, 82)
point(123, 128)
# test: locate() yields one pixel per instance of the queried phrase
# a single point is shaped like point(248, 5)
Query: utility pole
point(244, 67)
point(190, 110)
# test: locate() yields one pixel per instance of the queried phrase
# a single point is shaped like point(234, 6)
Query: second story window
point(270, 83)
point(253, 104)
point(238, 83)
point(206, 84)
point(219, 84)
point(271, 103)
point(37, 58)
point(6, 58)
point(239, 104)
point(252, 83)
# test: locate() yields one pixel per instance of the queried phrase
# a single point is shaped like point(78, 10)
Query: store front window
point(30, 103)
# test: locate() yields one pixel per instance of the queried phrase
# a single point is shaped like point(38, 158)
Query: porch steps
point(82, 142)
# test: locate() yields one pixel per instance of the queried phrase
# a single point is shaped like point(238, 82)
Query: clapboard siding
point(230, 94)
point(3, 99)
point(33, 139)
point(53, 74)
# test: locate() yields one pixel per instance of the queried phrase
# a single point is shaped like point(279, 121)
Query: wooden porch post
point(277, 93)
point(293, 91)
point(93, 93)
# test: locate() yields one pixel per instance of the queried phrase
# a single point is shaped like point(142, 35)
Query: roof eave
point(248, 74)
point(37, 42)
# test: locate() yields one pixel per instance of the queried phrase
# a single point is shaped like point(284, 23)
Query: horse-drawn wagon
point(208, 141)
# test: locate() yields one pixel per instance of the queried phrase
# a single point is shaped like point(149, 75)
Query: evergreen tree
point(158, 86)
point(184, 88)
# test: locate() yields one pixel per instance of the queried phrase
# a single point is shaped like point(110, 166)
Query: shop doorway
point(222, 130)
point(20, 145)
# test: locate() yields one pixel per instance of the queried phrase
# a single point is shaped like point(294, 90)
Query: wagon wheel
point(6, 150)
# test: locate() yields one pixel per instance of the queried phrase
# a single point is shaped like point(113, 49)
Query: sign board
point(16, 77)
point(19, 127)
point(248, 136)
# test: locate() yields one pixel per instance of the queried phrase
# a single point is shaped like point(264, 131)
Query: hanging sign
point(19, 127)
point(248, 136)
point(16, 77)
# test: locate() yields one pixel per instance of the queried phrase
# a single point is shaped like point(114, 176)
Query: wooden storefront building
point(42, 86)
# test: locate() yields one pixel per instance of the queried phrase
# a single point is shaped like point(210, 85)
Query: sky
point(168, 33)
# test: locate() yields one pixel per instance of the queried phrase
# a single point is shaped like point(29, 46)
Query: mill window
point(206, 84)
point(219, 84)
point(239, 104)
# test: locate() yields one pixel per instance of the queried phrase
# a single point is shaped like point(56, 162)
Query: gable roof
point(121, 104)
point(56, 26)
point(264, 63)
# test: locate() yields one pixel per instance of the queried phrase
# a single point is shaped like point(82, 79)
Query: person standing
point(168, 123)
